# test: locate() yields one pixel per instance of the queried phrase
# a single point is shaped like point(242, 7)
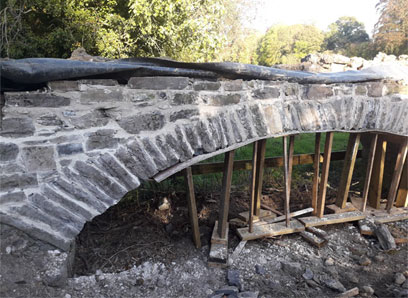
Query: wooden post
point(402, 154)
point(325, 175)
point(260, 162)
point(290, 161)
point(402, 196)
point(192, 207)
point(374, 191)
point(286, 174)
point(369, 170)
point(348, 168)
point(225, 193)
point(316, 163)
point(253, 186)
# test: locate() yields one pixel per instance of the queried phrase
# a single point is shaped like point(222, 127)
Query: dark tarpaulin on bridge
point(33, 73)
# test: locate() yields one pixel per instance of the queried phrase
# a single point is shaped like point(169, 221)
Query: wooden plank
point(391, 217)
point(271, 209)
point(316, 176)
point(270, 230)
point(286, 176)
point(215, 238)
point(375, 188)
point(336, 209)
point(313, 239)
point(369, 170)
point(348, 168)
point(263, 213)
point(401, 240)
point(399, 164)
point(318, 232)
point(328, 219)
point(283, 217)
point(325, 175)
point(234, 256)
point(225, 193)
point(402, 195)
point(192, 207)
point(259, 175)
point(253, 185)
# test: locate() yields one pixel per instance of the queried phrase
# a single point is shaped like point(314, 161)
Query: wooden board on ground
point(215, 238)
point(313, 239)
point(318, 232)
point(269, 230)
point(328, 219)
point(234, 256)
point(336, 209)
point(264, 213)
point(381, 215)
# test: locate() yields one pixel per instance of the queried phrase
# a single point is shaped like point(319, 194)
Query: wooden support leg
point(260, 161)
point(253, 186)
point(374, 191)
point(290, 159)
point(348, 167)
point(402, 196)
point(192, 207)
point(369, 170)
point(286, 174)
point(402, 154)
point(225, 194)
point(325, 175)
point(316, 163)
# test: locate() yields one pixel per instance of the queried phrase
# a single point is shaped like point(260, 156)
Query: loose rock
point(399, 278)
point(329, 262)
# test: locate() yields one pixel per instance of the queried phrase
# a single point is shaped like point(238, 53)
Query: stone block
point(360, 90)
point(224, 99)
point(107, 94)
point(376, 89)
point(192, 137)
point(63, 85)
point(206, 86)
point(69, 149)
point(266, 93)
point(144, 160)
point(49, 120)
point(95, 118)
point(9, 168)
point(273, 118)
point(290, 90)
point(20, 180)
point(128, 160)
point(188, 98)
point(36, 99)
point(244, 117)
point(318, 92)
point(102, 139)
point(102, 82)
point(142, 122)
point(13, 197)
point(140, 96)
point(8, 152)
point(183, 114)
point(259, 121)
point(226, 127)
point(158, 83)
point(206, 137)
point(17, 127)
point(154, 152)
point(171, 156)
point(186, 149)
point(38, 158)
point(235, 85)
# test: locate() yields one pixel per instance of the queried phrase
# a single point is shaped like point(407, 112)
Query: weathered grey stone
point(153, 151)
point(36, 99)
point(56, 273)
point(188, 98)
point(183, 114)
point(266, 93)
point(244, 118)
point(318, 92)
point(192, 138)
point(216, 120)
point(205, 135)
point(69, 149)
point(234, 279)
point(376, 89)
point(235, 85)
point(334, 284)
point(224, 99)
point(292, 268)
point(101, 139)
point(13, 197)
point(215, 132)
point(137, 123)
point(23, 180)
point(49, 120)
point(8, 152)
point(290, 90)
point(63, 85)
point(134, 95)
point(107, 94)
point(126, 158)
point(158, 83)
point(10, 168)
point(385, 238)
point(227, 129)
point(343, 90)
point(186, 149)
point(17, 127)
point(92, 119)
point(206, 85)
point(171, 156)
point(360, 90)
point(258, 120)
point(103, 82)
point(144, 160)
point(38, 158)
point(111, 166)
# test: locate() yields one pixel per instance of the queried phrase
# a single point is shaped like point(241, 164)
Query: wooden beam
point(270, 230)
point(259, 175)
point(328, 219)
point(192, 207)
point(316, 176)
point(399, 164)
point(225, 193)
point(369, 170)
point(325, 175)
point(402, 196)
point(286, 176)
point(348, 168)
point(375, 188)
point(253, 185)
point(283, 217)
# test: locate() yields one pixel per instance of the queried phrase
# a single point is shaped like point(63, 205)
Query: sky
point(318, 12)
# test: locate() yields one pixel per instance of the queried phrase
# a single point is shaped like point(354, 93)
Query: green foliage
point(346, 32)
point(288, 44)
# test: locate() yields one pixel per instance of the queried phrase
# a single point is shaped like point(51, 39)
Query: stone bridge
point(71, 150)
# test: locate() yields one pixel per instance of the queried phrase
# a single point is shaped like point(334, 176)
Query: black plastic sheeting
point(33, 73)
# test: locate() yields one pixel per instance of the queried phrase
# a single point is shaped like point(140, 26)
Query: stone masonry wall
point(70, 152)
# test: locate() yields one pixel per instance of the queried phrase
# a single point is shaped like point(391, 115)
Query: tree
point(391, 30)
point(344, 32)
point(288, 44)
